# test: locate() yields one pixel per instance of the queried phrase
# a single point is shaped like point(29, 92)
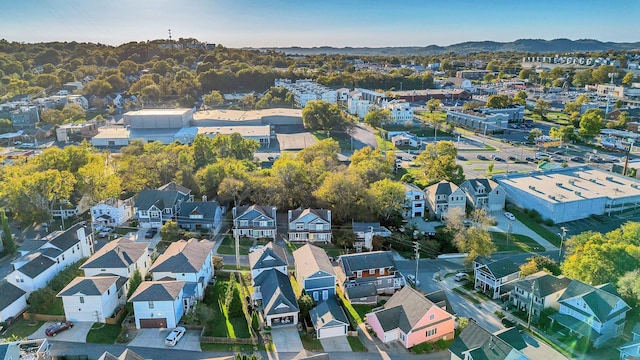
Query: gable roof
point(127, 354)
point(311, 259)
point(205, 208)
point(327, 314)
point(245, 211)
point(172, 186)
point(277, 294)
point(480, 343)
point(442, 188)
point(117, 254)
point(162, 199)
point(184, 257)
point(361, 291)
point(320, 213)
point(362, 227)
point(404, 310)
point(271, 255)
point(410, 187)
point(499, 268)
point(68, 238)
point(36, 266)
point(157, 291)
point(10, 293)
point(599, 299)
point(544, 284)
point(90, 286)
point(365, 261)
point(475, 184)
point(440, 299)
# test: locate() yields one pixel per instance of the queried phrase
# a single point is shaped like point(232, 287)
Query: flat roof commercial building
point(573, 193)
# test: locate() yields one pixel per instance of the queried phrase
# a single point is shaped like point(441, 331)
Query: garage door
point(331, 332)
point(153, 323)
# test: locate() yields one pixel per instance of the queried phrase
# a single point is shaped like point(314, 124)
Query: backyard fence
point(224, 340)
point(43, 317)
point(117, 317)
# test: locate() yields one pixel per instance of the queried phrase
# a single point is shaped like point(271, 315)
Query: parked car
point(57, 328)
point(509, 216)
point(507, 323)
point(611, 159)
point(151, 233)
point(498, 158)
point(530, 159)
point(512, 158)
point(103, 234)
point(411, 279)
point(255, 248)
point(481, 157)
point(174, 336)
point(460, 157)
point(577, 159)
point(461, 277)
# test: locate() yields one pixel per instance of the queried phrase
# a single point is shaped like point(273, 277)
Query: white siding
point(14, 308)
point(94, 308)
point(171, 310)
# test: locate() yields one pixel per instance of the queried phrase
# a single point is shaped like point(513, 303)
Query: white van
point(461, 277)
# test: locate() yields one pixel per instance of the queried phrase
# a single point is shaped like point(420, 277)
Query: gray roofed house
point(254, 222)
point(36, 266)
point(312, 225)
point(366, 294)
point(50, 252)
point(120, 257)
point(484, 193)
point(365, 231)
point(201, 215)
point(376, 267)
point(546, 288)
point(443, 196)
point(173, 186)
point(96, 285)
point(69, 237)
point(155, 206)
point(93, 299)
point(479, 343)
point(495, 276)
point(328, 319)
point(158, 291)
point(440, 299)
point(353, 263)
point(127, 354)
point(273, 289)
point(314, 272)
point(271, 256)
point(12, 302)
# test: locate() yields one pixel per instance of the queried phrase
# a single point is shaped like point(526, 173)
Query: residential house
point(412, 319)
point(312, 225)
point(61, 249)
point(254, 222)
point(271, 256)
point(477, 343)
point(127, 354)
point(365, 231)
point(201, 216)
point(492, 275)
point(443, 196)
point(596, 312)
point(484, 194)
point(13, 301)
point(121, 257)
point(414, 202)
point(545, 288)
point(375, 268)
point(112, 212)
point(314, 272)
point(631, 349)
point(10, 351)
point(188, 261)
point(160, 304)
point(154, 207)
point(274, 294)
point(406, 139)
point(92, 299)
point(328, 319)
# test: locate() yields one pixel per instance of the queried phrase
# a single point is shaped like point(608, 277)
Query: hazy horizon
point(286, 23)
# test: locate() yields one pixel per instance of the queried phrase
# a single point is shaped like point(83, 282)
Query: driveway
point(363, 136)
point(336, 343)
point(286, 339)
point(519, 228)
point(78, 333)
point(154, 338)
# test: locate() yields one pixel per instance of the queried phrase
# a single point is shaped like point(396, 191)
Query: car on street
point(460, 157)
point(461, 277)
point(577, 159)
point(556, 158)
point(509, 216)
point(411, 279)
point(57, 328)
point(151, 233)
point(507, 323)
point(174, 336)
point(611, 159)
point(103, 234)
point(530, 159)
point(481, 157)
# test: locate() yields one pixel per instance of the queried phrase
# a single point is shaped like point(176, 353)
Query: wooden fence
point(42, 317)
point(116, 319)
point(220, 340)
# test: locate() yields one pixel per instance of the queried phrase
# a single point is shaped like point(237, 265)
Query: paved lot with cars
point(286, 339)
point(154, 338)
point(78, 333)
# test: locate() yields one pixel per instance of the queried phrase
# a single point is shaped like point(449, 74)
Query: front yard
point(217, 321)
point(22, 329)
point(227, 247)
point(516, 242)
point(104, 333)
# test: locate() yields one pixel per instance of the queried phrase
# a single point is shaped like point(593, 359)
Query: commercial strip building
point(478, 121)
point(573, 193)
point(306, 90)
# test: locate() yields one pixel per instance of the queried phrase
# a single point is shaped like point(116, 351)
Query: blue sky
point(278, 23)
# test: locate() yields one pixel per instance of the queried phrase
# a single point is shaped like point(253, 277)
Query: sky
point(345, 23)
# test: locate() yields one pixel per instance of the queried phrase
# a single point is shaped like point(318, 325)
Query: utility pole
point(533, 284)
point(562, 236)
point(416, 246)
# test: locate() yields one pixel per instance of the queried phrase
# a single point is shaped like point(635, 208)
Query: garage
point(153, 323)
point(326, 332)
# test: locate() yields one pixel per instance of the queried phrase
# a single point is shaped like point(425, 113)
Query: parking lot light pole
point(562, 236)
point(417, 249)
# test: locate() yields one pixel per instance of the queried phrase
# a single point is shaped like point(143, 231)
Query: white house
point(91, 299)
point(63, 248)
point(313, 225)
point(159, 304)
point(271, 256)
point(12, 302)
point(401, 111)
point(188, 261)
point(119, 257)
point(491, 275)
point(273, 291)
point(414, 205)
point(112, 212)
point(444, 196)
point(154, 207)
point(201, 215)
point(545, 288)
point(484, 194)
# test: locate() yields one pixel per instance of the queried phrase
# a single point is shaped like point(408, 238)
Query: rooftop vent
point(593, 180)
point(552, 197)
point(609, 178)
point(559, 184)
point(532, 187)
point(578, 193)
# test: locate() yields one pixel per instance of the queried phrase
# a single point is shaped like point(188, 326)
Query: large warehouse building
point(573, 193)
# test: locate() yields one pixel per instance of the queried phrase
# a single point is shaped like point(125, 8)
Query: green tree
point(234, 146)
point(233, 190)
point(7, 238)
point(472, 105)
point(213, 99)
point(582, 99)
point(520, 98)
point(591, 123)
point(498, 101)
point(305, 303)
point(628, 287)
point(434, 105)
point(628, 79)
point(386, 199)
point(171, 232)
point(541, 108)
point(571, 107)
point(52, 116)
point(525, 74)
point(203, 153)
point(344, 194)
point(134, 282)
point(217, 262)
point(438, 162)
point(232, 297)
point(474, 240)
point(98, 87)
point(320, 115)
point(372, 165)
point(533, 134)
point(128, 67)
point(377, 117)
point(582, 78)
point(539, 263)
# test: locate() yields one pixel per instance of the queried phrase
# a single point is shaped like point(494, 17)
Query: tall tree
point(345, 194)
point(7, 238)
point(320, 115)
point(387, 199)
point(378, 117)
point(434, 105)
point(591, 123)
point(438, 162)
point(234, 146)
point(372, 165)
point(539, 263)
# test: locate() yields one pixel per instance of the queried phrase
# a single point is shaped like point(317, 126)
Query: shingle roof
point(478, 340)
point(404, 310)
point(442, 188)
point(598, 299)
point(68, 238)
point(488, 184)
point(545, 284)
point(90, 286)
point(361, 291)
point(184, 257)
point(259, 210)
point(499, 268)
point(161, 199)
point(271, 255)
point(328, 313)
point(205, 208)
point(277, 294)
point(50, 252)
point(117, 254)
point(36, 266)
point(365, 226)
point(321, 213)
point(440, 299)
point(365, 261)
point(10, 293)
point(172, 186)
point(310, 259)
point(127, 354)
point(157, 291)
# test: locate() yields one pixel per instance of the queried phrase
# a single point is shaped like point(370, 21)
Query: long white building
point(305, 90)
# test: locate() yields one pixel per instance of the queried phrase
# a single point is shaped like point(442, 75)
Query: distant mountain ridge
point(522, 45)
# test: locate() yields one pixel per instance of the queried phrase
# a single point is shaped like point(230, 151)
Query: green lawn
point(384, 144)
point(227, 247)
point(103, 333)
point(466, 295)
point(220, 324)
point(236, 348)
point(311, 344)
point(517, 242)
point(23, 328)
point(540, 229)
point(363, 310)
point(356, 344)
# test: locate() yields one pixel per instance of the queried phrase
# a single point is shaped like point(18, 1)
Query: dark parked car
point(577, 159)
point(512, 158)
point(481, 157)
point(151, 233)
point(57, 328)
point(460, 157)
point(507, 323)
point(530, 159)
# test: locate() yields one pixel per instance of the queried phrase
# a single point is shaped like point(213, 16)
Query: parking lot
point(154, 338)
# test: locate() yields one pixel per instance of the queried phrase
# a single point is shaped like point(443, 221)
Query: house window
point(381, 271)
point(432, 316)
point(432, 332)
point(78, 246)
point(81, 299)
point(244, 222)
point(155, 213)
point(108, 292)
point(379, 282)
point(359, 274)
point(372, 271)
point(299, 226)
point(150, 304)
point(62, 257)
point(264, 223)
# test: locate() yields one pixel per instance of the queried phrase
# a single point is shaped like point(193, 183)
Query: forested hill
point(522, 45)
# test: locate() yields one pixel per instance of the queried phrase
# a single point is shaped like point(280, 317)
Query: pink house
point(411, 318)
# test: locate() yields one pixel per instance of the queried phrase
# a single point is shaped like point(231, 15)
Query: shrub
point(549, 222)
point(41, 300)
point(255, 323)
